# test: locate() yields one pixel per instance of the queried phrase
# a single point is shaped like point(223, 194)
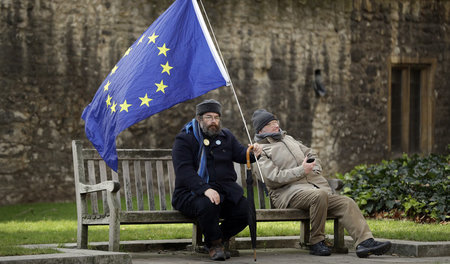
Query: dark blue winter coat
point(222, 150)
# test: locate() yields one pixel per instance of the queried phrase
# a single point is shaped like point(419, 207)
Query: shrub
point(411, 186)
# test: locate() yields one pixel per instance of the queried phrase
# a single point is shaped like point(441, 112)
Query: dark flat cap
point(209, 105)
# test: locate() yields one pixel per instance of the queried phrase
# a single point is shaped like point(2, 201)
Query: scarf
point(194, 126)
point(276, 136)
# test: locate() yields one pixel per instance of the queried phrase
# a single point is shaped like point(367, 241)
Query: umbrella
point(251, 202)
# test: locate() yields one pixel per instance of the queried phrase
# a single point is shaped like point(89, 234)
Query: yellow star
point(145, 100)
point(152, 38)
point(113, 107)
point(106, 87)
point(142, 38)
point(127, 52)
point(114, 70)
point(161, 86)
point(166, 68)
point(163, 50)
point(124, 106)
point(108, 101)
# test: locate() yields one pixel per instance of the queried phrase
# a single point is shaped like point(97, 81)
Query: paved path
point(277, 256)
point(278, 250)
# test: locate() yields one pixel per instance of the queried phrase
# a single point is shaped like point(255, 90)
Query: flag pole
point(231, 84)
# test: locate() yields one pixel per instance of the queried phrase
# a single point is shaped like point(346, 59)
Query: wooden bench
point(104, 197)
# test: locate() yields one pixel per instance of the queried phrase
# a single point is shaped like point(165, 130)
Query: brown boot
point(216, 251)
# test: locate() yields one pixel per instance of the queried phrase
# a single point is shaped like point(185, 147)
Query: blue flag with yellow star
point(174, 60)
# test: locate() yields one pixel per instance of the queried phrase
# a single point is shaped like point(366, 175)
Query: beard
point(211, 130)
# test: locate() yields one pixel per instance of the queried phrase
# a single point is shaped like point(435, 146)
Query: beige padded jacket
point(281, 165)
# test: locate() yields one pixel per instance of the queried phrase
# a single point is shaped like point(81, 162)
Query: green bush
point(411, 186)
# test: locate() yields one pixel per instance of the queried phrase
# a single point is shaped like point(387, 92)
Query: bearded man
point(205, 185)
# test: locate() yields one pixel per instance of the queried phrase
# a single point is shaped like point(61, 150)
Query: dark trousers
point(208, 214)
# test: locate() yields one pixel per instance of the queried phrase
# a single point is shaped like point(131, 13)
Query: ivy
point(411, 186)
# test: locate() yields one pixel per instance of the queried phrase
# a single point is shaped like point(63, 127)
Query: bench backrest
point(146, 177)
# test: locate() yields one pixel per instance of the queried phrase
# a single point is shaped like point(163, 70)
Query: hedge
point(411, 186)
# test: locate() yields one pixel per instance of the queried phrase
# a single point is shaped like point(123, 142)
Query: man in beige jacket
point(293, 175)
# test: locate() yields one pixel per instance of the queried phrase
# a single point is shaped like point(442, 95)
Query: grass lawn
point(44, 223)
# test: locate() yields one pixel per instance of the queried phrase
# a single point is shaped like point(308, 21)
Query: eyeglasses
point(210, 118)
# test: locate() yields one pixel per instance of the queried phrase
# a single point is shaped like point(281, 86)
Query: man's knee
point(206, 207)
point(320, 196)
point(348, 203)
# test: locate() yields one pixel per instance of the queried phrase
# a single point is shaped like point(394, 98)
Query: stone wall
point(55, 54)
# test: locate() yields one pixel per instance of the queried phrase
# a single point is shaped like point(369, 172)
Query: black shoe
point(372, 247)
point(227, 252)
point(217, 253)
point(319, 249)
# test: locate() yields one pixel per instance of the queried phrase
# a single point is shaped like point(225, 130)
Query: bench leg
point(114, 222)
point(196, 237)
point(305, 233)
point(339, 244)
point(114, 236)
point(82, 235)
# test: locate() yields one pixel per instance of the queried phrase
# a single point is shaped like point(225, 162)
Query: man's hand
point(257, 150)
point(307, 167)
point(213, 196)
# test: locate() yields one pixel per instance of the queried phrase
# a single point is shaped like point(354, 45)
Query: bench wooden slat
point(94, 221)
point(149, 180)
point(271, 205)
point(271, 215)
point(132, 154)
point(103, 186)
point(171, 178)
point(161, 185)
point(154, 217)
point(138, 182)
point(261, 196)
point(94, 200)
point(103, 178)
point(280, 214)
point(126, 183)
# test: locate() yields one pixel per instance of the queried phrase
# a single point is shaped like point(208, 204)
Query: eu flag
point(174, 60)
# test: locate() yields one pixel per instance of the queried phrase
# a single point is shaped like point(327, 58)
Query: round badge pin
point(218, 142)
point(206, 142)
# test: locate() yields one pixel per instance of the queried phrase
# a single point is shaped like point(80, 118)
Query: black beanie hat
point(209, 105)
point(261, 118)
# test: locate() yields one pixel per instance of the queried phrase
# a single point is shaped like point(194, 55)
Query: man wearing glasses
point(205, 186)
point(293, 175)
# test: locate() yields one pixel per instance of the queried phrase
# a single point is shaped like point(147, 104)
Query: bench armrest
point(335, 184)
point(110, 186)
